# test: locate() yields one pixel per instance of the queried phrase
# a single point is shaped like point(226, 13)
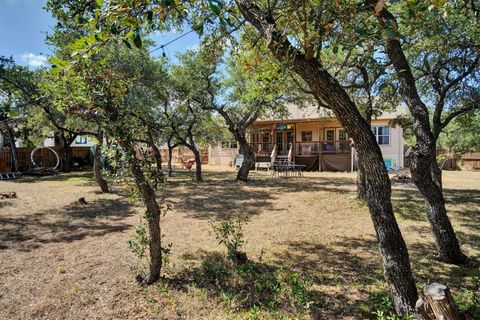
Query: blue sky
point(24, 24)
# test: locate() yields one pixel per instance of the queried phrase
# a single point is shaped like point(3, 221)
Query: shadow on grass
point(254, 284)
point(71, 223)
point(290, 283)
point(225, 199)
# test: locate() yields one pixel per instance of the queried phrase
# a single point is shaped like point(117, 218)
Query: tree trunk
point(448, 248)
point(198, 164)
point(437, 303)
point(156, 152)
point(392, 247)
point(361, 178)
point(423, 154)
point(67, 158)
point(436, 172)
point(170, 156)
point(248, 159)
point(11, 136)
point(97, 170)
point(158, 157)
point(361, 181)
point(246, 150)
point(152, 214)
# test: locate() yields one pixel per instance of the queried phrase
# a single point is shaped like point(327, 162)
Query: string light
point(171, 41)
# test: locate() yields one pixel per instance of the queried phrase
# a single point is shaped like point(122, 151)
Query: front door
point(284, 139)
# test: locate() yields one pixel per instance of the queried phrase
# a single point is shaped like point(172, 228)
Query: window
point(81, 140)
point(342, 134)
point(229, 144)
point(279, 140)
point(331, 134)
point(266, 137)
point(382, 134)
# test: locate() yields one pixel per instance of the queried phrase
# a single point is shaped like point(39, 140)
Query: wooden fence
point(181, 153)
point(43, 157)
point(468, 161)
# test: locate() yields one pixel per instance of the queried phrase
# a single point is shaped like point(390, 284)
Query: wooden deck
point(323, 155)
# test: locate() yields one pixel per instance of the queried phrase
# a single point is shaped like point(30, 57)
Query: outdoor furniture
point(267, 164)
point(188, 163)
point(297, 169)
point(283, 164)
point(238, 160)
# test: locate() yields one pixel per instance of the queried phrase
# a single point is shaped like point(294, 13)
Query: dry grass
point(63, 260)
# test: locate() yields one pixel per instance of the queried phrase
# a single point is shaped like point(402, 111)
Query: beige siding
point(221, 156)
point(394, 150)
point(308, 126)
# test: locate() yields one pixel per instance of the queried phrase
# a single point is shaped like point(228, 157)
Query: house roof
point(297, 113)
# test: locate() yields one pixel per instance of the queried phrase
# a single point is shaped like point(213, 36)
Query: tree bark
point(436, 172)
point(97, 169)
point(152, 214)
point(361, 178)
point(158, 157)
point(156, 152)
point(198, 164)
point(11, 136)
point(170, 156)
point(423, 154)
point(437, 303)
point(448, 248)
point(361, 181)
point(248, 157)
point(67, 158)
point(392, 247)
point(67, 151)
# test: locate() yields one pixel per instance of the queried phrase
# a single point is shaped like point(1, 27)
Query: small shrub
point(230, 234)
point(138, 245)
point(380, 306)
point(468, 299)
point(251, 285)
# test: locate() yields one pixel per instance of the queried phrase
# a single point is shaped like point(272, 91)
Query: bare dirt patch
point(63, 260)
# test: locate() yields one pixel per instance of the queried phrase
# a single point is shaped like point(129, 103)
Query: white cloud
point(195, 47)
point(34, 60)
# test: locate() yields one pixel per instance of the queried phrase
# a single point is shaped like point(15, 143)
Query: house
point(80, 141)
point(317, 140)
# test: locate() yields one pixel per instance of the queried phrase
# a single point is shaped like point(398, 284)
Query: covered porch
point(321, 145)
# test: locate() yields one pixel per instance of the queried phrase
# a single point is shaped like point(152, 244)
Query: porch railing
point(312, 148)
point(262, 148)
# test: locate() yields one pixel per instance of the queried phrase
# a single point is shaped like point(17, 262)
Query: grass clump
point(245, 285)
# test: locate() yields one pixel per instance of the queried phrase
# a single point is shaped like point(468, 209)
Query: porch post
point(319, 156)
point(319, 149)
point(352, 157)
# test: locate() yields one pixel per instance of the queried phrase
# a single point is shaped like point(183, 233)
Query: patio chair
point(267, 164)
point(283, 163)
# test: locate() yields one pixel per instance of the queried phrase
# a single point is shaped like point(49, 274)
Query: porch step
point(9, 175)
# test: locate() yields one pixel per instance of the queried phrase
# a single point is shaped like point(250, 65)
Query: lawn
point(64, 260)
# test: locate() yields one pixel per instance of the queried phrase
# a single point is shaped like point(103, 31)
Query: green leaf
point(99, 3)
point(127, 43)
point(59, 63)
point(198, 27)
point(383, 87)
point(215, 9)
point(137, 40)
point(150, 16)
